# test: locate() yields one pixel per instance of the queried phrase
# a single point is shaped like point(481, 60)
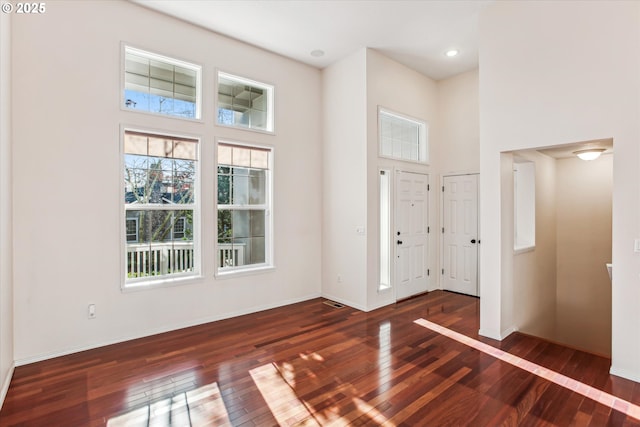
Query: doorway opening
point(561, 287)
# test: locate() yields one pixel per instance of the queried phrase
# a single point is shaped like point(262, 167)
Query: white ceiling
point(415, 33)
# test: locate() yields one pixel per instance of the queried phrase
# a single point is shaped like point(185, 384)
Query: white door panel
point(411, 234)
point(460, 234)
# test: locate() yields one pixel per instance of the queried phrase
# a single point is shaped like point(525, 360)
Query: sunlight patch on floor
point(592, 393)
point(201, 406)
point(283, 403)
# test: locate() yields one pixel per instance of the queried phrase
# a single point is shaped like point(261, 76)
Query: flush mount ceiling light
point(452, 52)
point(589, 154)
point(317, 53)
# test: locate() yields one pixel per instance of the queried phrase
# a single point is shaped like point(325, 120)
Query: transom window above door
point(402, 137)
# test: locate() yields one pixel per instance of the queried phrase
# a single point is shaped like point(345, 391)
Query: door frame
point(441, 226)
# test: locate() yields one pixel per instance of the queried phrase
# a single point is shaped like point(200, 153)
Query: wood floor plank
point(311, 364)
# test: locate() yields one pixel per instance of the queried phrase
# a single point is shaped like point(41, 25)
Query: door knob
point(473, 240)
point(399, 242)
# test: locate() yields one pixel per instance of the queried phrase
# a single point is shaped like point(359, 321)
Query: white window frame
point(269, 90)
point(385, 183)
point(423, 136)
point(169, 60)
point(268, 264)
point(150, 282)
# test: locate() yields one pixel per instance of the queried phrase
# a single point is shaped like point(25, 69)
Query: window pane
point(161, 85)
point(165, 176)
point(247, 187)
point(244, 103)
point(241, 237)
point(165, 243)
point(402, 138)
point(224, 185)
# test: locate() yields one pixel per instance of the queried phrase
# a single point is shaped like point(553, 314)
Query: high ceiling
point(415, 33)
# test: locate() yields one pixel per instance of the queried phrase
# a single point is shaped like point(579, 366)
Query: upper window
point(244, 207)
point(402, 137)
point(160, 204)
point(244, 103)
point(161, 85)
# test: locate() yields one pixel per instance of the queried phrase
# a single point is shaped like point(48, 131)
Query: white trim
point(624, 373)
point(233, 272)
point(155, 331)
point(6, 383)
point(493, 334)
point(124, 46)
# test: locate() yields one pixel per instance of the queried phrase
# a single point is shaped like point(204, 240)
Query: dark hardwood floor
point(311, 364)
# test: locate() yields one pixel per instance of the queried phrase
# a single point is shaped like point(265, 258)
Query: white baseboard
point(495, 335)
point(6, 383)
point(633, 376)
point(508, 332)
point(65, 352)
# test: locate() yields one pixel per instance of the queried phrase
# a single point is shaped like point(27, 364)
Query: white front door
point(411, 234)
point(460, 234)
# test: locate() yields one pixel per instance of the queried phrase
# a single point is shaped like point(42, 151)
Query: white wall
point(67, 177)
point(6, 212)
point(345, 181)
point(458, 131)
point(554, 73)
point(400, 89)
point(584, 247)
point(534, 271)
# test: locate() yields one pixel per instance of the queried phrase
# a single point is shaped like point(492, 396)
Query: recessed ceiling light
point(452, 52)
point(317, 53)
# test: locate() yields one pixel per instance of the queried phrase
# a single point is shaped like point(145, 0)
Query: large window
point(244, 103)
point(244, 207)
point(162, 85)
point(160, 203)
point(402, 137)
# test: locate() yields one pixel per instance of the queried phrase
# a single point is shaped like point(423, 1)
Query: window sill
point(145, 285)
point(248, 129)
point(161, 115)
point(239, 272)
point(523, 249)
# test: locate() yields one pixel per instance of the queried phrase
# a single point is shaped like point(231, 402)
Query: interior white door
point(460, 234)
point(411, 234)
